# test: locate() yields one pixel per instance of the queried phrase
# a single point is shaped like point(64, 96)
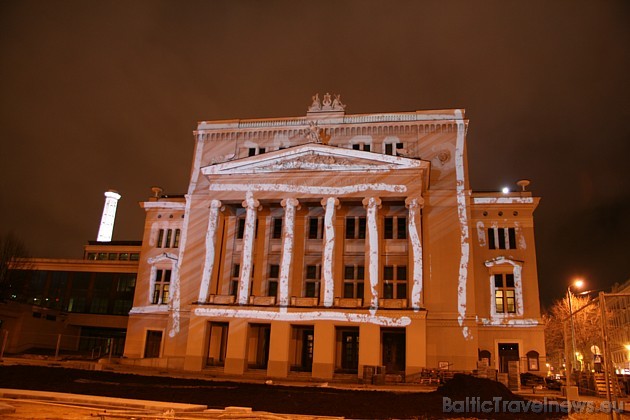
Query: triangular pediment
point(314, 157)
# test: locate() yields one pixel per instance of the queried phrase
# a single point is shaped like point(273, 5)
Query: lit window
point(501, 238)
point(161, 285)
point(395, 282)
point(504, 293)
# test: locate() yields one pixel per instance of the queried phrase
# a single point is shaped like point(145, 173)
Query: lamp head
point(578, 283)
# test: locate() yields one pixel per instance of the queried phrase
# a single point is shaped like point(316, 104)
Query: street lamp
point(578, 285)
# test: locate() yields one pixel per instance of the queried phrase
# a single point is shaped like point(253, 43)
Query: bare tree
point(586, 328)
point(13, 255)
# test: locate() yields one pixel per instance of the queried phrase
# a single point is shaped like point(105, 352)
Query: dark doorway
point(217, 344)
point(153, 344)
point(259, 337)
point(394, 343)
point(301, 358)
point(350, 350)
point(507, 352)
point(308, 343)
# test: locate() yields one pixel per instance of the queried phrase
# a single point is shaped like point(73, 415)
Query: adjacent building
point(323, 244)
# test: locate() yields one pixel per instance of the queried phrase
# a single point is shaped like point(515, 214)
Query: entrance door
point(153, 344)
point(259, 340)
point(350, 351)
point(507, 352)
point(308, 342)
point(217, 344)
point(393, 350)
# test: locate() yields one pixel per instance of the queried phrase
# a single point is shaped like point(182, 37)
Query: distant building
point(331, 243)
point(82, 304)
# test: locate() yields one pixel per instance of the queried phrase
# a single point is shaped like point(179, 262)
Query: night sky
point(105, 94)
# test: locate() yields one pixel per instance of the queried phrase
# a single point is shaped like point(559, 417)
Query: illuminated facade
point(323, 244)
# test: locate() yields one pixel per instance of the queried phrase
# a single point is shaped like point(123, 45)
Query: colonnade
point(330, 205)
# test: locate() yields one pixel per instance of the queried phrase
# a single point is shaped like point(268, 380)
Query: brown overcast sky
point(105, 94)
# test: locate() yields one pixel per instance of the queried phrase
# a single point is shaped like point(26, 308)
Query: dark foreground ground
point(354, 404)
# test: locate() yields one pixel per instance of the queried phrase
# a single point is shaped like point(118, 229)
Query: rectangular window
point(169, 235)
point(361, 146)
point(240, 228)
point(161, 285)
point(251, 151)
point(504, 293)
point(277, 228)
point(261, 150)
point(395, 282)
point(315, 227)
point(350, 227)
point(501, 238)
point(272, 283)
point(236, 272)
point(311, 283)
point(160, 238)
point(355, 227)
point(395, 227)
point(178, 233)
point(353, 281)
point(390, 148)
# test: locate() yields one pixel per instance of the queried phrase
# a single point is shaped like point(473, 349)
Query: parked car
point(552, 383)
point(531, 379)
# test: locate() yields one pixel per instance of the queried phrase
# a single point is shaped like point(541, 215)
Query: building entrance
point(258, 352)
point(217, 344)
point(393, 349)
point(507, 352)
point(350, 350)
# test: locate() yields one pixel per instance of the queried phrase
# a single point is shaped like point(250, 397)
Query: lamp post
point(577, 284)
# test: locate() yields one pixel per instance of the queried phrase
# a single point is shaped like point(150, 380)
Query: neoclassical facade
point(321, 244)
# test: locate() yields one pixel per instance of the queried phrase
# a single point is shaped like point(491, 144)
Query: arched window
point(532, 360)
point(485, 355)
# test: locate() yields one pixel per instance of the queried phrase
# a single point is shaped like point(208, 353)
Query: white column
point(328, 281)
point(106, 228)
point(290, 205)
point(372, 205)
point(252, 206)
point(211, 236)
point(415, 204)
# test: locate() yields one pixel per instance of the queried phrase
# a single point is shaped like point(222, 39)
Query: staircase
point(600, 385)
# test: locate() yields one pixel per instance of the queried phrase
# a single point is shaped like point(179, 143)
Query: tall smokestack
point(109, 214)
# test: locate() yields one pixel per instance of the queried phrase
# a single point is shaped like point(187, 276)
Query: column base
point(323, 370)
point(234, 366)
point(277, 369)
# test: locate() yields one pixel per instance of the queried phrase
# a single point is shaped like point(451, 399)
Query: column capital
point(292, 202)
point(250, 202)
point(216, 204)
point(414, 202)
point(335, 202)
point(370, 202)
